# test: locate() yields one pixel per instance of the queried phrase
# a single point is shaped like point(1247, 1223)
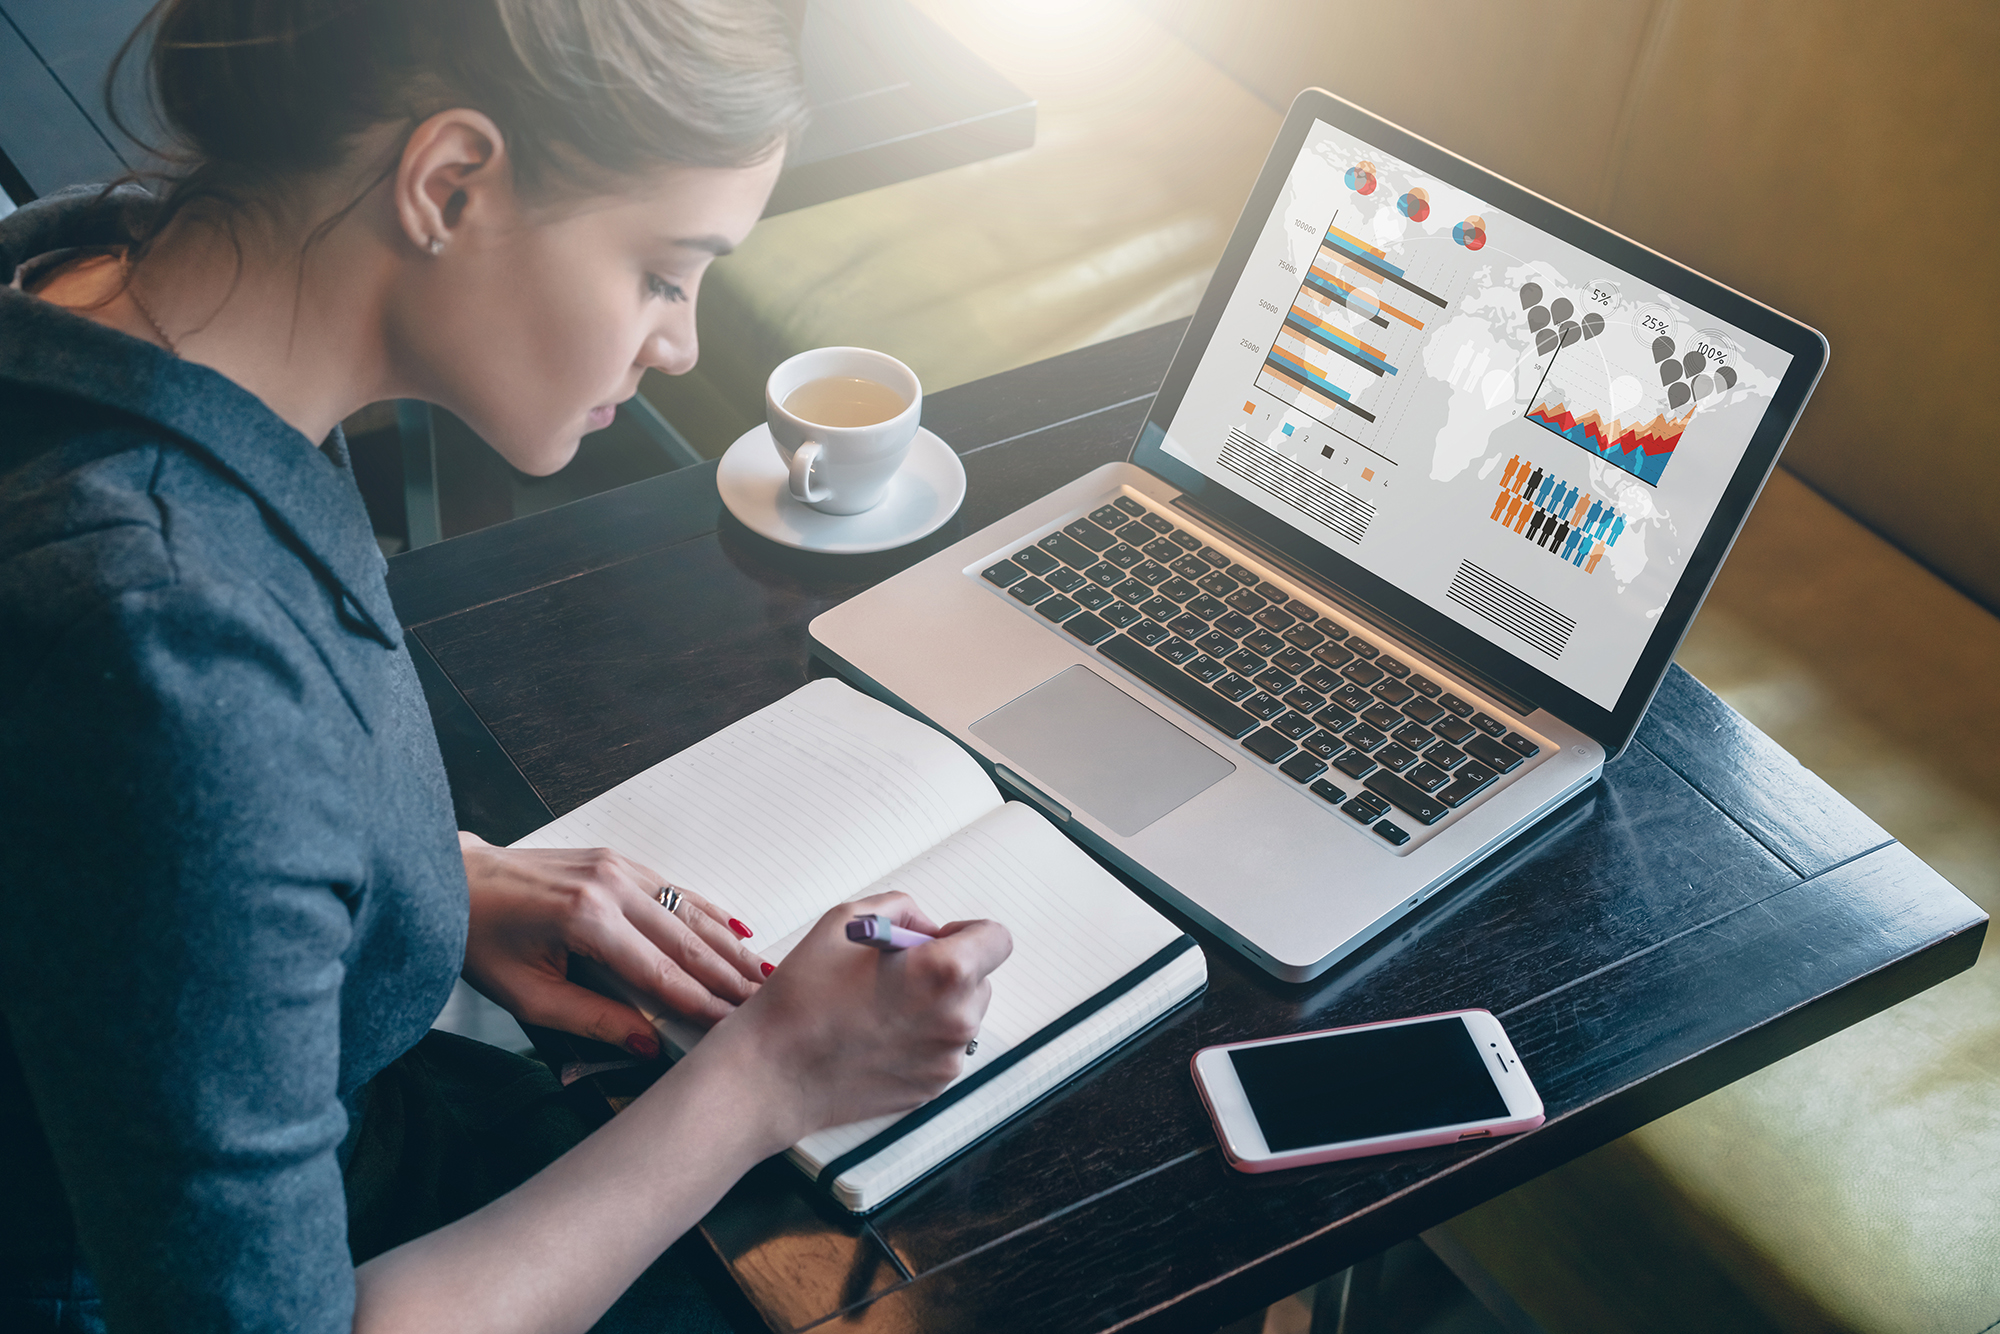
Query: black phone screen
point(1380, 1081)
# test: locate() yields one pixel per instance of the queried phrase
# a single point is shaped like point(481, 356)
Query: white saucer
point(925, 492)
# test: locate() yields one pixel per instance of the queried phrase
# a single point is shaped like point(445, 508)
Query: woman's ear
point(454, 170)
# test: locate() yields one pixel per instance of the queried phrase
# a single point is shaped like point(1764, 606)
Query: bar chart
point(1332, 345)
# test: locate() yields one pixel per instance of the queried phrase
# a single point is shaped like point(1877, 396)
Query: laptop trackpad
point(1096, 747)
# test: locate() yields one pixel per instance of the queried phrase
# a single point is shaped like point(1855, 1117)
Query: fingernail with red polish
point(644, 1045)
point(768, 968)
point(742, 932)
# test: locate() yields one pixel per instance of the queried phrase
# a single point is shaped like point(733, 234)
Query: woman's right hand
point(841, 1032)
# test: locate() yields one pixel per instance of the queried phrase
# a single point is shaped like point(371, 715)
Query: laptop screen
point(1523, 437)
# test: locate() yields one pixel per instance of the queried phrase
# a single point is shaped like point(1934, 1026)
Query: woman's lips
point(600, 417)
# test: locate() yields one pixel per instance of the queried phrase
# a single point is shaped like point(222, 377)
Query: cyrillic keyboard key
point(1246, 602)
point(1352, 698)
point(1159, 609)
point(1263, 706)
point(1035, 560)
point(1234, 625)
point(1275, 681)
point(1057, 608)
point(1304, 637)
point(1148, 633)
point(1276, 618)
point(1425, 711)
point(1030, 591)
point(1427, 776)
point(1333, 655)
point(1066, 581)
point(1323, 744)
point(1302, 768)
point(1305, 701)
point(1179, 589)
point(1124, 556)
point(1445, 755)
point(1491, 754)
point(1334, 719)
point(1391, 689)
point(1188, 627)
point(1469, 784)
point(1381, 717)
point(1268, 745)
point(1088, 626)
point(1363, 737)
point(1215, 645)
point(1205, 669)
point(1262, 643)
point(1187, 567)
point(1295, 725)
point(1150, 572)
point(1003, 573)
point(1105, 573)
point(1177, 685)
point(1395, 757)
point(1088, 534)
point(1407, 797)
point(1413, 736)
point(1072, 552)
point(1161, 550)
point(1235, 687)
point(1362, 673)
point(1177, 651)
point(1522, 744)
point(1245, 662)
point(1453, 730)
point(1119, 614)
point(1206, 607)
point(1291, 660)
point(1353, 763)
point(1217, 585)
point(1391, 833)
point(1133, 591)
point(1093, 597)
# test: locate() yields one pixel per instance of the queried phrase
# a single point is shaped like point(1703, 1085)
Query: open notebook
point(828, 795)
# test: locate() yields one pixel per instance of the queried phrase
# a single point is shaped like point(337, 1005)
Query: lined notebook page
point(785, 813)
point(1076, 931)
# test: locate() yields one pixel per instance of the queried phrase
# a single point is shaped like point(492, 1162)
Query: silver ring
point(972, 1047)
point(670, 898)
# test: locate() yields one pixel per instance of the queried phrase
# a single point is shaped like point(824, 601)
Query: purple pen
point(878, 932)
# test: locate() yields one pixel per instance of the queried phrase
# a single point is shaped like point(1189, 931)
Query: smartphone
point(1371, 1088)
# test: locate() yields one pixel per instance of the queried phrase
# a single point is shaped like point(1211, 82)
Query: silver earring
point(437, 245)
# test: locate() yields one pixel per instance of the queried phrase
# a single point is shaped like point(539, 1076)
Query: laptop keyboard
point(1329, 709)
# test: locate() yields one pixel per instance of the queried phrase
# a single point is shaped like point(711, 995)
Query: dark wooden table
point(893, 96)
point(1706, 909)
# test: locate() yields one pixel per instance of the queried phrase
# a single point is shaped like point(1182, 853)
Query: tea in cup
point(842, 418)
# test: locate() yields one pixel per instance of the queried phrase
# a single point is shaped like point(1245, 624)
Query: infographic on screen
point(1507, 428)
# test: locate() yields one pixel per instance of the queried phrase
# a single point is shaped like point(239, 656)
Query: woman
point(233, 897)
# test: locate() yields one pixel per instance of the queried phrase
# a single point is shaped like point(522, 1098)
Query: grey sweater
point(230, 891)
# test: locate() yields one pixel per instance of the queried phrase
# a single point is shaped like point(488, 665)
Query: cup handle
point(803, 459)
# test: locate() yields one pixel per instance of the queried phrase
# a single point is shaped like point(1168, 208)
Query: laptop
point(1434, 485)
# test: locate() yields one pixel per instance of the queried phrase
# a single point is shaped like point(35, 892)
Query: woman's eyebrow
point(714, 245)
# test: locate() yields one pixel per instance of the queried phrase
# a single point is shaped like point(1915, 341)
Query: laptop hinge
point(1318, 583)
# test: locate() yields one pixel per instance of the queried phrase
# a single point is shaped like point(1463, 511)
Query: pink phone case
point(1421, 1139)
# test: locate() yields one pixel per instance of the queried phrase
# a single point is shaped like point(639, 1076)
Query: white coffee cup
point(842, 469)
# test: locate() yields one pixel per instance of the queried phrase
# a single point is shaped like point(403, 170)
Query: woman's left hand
point(532, 908)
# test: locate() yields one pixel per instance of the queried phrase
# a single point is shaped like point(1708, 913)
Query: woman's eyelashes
point(660, 287)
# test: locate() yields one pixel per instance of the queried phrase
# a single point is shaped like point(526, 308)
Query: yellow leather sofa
point(1833, 157)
